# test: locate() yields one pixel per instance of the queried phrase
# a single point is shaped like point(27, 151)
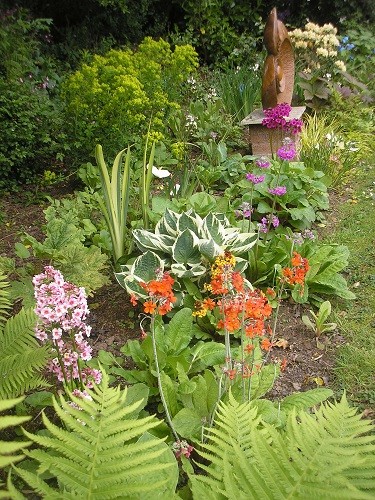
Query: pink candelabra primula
point(61, 308)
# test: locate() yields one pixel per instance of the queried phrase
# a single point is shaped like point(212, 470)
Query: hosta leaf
point(182, 271)
point(213, 228)
point(185, 249)
point(145, 266)
point(170, 220)
point(243, 243)
point(187, 222)
point(210, 249)
point(146, 240)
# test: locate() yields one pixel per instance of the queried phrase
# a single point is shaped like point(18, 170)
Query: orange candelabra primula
point(160, 295)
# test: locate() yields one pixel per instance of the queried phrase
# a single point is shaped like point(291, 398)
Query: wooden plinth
point(264, 141)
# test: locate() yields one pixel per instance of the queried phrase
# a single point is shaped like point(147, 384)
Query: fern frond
point(21, 357)
point(8, 448)
point(102, 453)
point(327, 455)
point(5, 303)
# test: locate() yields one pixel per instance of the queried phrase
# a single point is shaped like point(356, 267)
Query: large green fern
point(103, 452)
point(9, 448)
point(327, 455)
point(21, 357)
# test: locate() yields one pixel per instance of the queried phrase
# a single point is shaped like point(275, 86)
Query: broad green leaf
point(207, 354)
point(188, 424)
point(185, 249)
point(170, 393)
point(178, 333)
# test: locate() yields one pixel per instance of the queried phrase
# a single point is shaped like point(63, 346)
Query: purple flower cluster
point(267, 221)
point(263, 162)
point(61, 308)
point(275, 118)
point(246, 210)
point(287, 150)
point(278, 190)
point(255, 179)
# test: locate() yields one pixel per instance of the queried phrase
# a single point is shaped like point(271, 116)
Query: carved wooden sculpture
point(278, 73)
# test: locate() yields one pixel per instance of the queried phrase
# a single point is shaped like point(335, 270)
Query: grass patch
point(355, 364)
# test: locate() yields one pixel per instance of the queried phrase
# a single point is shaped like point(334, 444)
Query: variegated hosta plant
point(186, 244)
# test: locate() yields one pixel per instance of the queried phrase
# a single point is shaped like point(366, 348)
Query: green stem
point(163, 400)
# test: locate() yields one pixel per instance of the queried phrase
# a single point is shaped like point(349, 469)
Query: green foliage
point(239, 89)
point(64, 247)
point(21, 357)
point(327, 147)
point(187, 244)
point(8, 448)
point(325, 455)
point(115, 198)
point(103, 452)
point(30, 127)
point(323, 278)
point(215, 27)
point(319, 320)
point(306, 194)
point(20, 42)
point(113, 99)
point(5, 303)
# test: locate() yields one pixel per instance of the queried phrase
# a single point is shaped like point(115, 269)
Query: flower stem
point(163, 400)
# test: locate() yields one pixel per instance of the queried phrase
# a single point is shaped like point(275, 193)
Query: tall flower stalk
point(61, 309)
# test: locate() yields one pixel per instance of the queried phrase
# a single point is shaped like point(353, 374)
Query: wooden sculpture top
point(278, 73)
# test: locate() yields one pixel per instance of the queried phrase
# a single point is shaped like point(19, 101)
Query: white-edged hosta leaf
point(209, 249)
point(188, 222)
point(147, 240)
point(243, 243)
point(186, 271)
point(170, 221)
point(186, 248)
point(213, 228)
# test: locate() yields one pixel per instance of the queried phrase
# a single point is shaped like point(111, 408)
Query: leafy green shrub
point(30, 131)
point(187, 244)
point(113, 99)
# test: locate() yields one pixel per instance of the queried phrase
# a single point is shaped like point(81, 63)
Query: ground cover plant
point(180, 318)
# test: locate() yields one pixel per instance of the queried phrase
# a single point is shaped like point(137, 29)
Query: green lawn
point(355, 365)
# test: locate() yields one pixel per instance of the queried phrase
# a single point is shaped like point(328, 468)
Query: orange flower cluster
point(297, 273)
point(160, 295)
point(240, 307)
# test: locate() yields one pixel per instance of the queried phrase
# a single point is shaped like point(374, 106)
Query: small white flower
point(160, 173)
